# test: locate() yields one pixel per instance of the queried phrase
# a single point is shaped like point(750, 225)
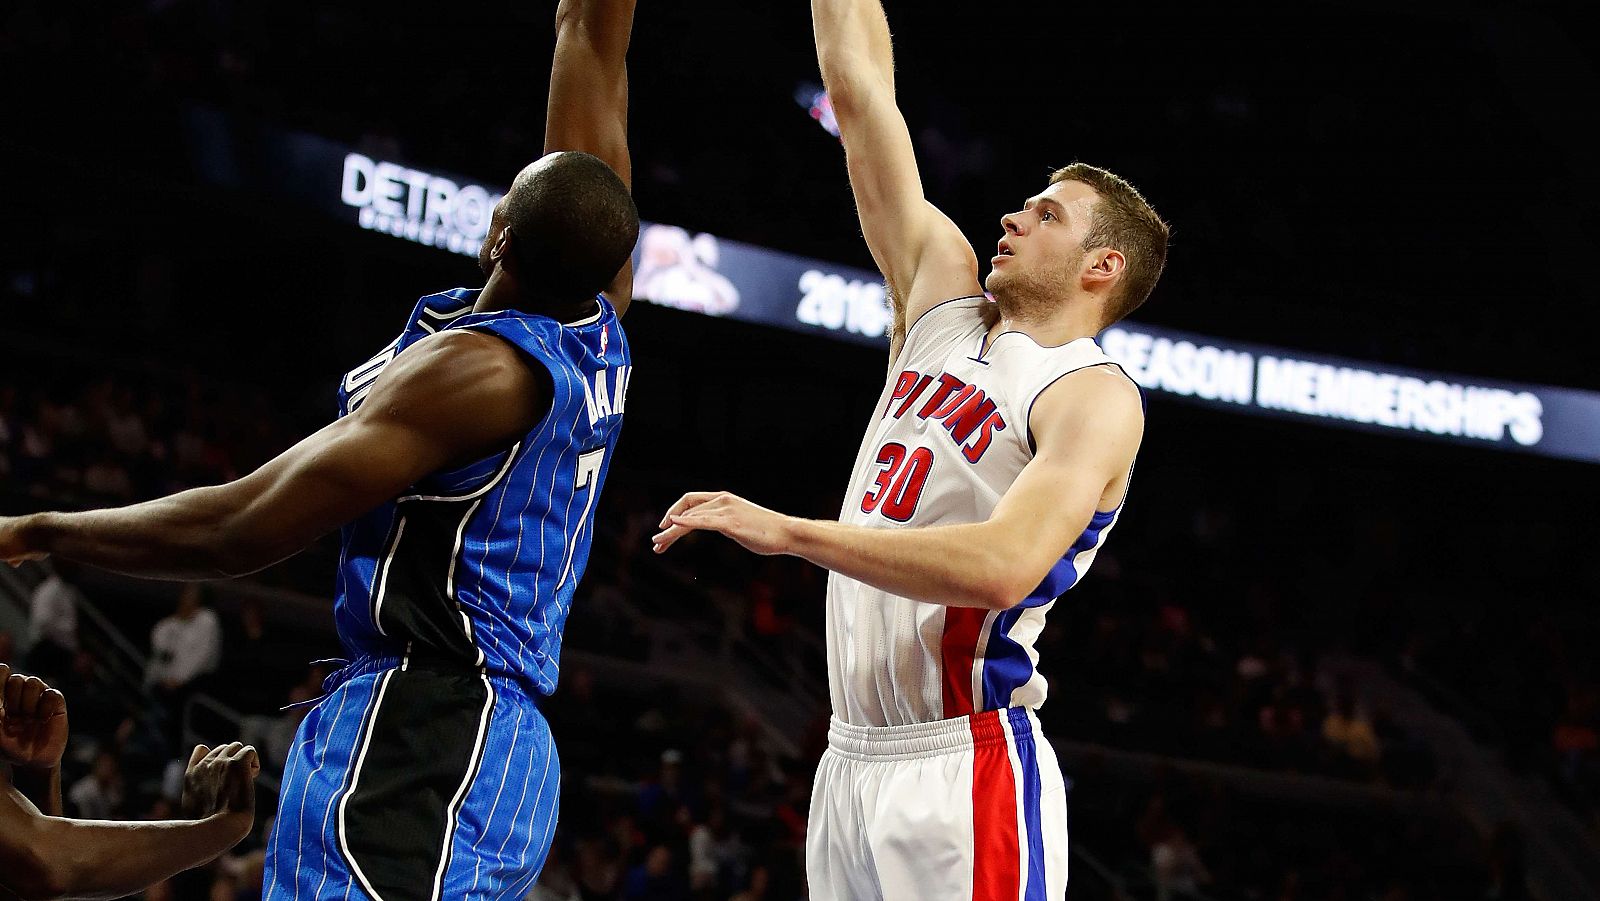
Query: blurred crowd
point(668, 794)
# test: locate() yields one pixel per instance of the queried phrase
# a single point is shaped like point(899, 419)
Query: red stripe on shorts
point(996, 848)
point(958, 648)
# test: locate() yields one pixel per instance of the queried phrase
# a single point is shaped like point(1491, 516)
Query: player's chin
point(996, 281)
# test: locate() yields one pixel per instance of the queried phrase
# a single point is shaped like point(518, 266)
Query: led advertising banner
point(1252, 378)
point(718, 277)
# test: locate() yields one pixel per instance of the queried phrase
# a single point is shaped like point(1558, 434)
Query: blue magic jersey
point(478, 564)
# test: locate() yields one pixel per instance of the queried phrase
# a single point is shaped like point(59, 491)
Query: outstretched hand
point(758, 529)
point(33, 721)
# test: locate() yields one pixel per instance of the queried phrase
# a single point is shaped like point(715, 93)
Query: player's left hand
point(13, 548)
point(33, 721)
point(760, 530)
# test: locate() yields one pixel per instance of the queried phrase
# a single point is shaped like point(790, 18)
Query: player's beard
point(1033, 293)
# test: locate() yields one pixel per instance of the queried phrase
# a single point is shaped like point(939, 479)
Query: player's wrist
point(34, 531)
point(797, 537)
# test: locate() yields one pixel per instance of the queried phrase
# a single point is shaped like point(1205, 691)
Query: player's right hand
point(222, 780)
point(33, 721)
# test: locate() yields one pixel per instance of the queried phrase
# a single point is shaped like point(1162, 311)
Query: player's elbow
point(852, 87)
point(999, 589)
point(231, 551)
point(1010, 581)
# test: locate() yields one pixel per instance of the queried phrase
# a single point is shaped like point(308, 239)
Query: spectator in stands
point(53, 622)
point(756, 889)
point(1176, 863)
point(184, 648)
point(655, 879)
point(45, 856)
point(99, 795)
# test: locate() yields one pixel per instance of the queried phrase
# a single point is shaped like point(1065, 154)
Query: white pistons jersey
point(948, 438)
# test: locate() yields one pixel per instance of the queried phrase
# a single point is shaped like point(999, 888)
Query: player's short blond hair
point(1125, 222)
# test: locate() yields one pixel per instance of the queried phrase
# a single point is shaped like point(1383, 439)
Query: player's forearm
point(183, 536)
point(42, 787)
point(854, 50)
point(87, 859)
point(588, 104)
point(953, 566)
point(605, 27)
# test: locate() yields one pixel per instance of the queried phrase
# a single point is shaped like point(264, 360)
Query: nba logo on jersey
point(605, 339)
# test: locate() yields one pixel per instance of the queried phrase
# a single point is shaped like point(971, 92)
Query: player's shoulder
point(1097, 398)
point(466, 365)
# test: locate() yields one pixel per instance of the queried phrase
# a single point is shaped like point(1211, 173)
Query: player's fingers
point(33, 689)
point(13, 694)
point(5, 678)
point(52, 704)
point(669, 537)
point(700, 518)
point(688, 501)
point(199, 754)
point(221, 753)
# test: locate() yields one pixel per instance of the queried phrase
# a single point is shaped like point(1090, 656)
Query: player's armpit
point(1086, 429)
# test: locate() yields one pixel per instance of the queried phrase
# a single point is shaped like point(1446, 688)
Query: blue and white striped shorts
point(415, 782)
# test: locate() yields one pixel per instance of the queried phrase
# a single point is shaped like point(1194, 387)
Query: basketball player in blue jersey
point(464, 470)
point(993, 469)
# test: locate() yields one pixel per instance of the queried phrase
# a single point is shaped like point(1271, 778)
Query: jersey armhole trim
point(1028, 421)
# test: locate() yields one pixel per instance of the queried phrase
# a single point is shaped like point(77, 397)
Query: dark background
point(1404, 185)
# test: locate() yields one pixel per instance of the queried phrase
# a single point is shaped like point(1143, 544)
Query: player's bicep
point(1086, 429)
point(450, 398)
point(326, 480)
point(917, 248)
point(22, 867)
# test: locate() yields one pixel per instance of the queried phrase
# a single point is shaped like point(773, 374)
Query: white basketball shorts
point(968, 808)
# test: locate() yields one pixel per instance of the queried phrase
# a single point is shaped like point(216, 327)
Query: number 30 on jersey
point(899, 485)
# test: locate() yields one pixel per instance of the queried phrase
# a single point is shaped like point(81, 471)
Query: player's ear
point(500, 252)
point(1104, 267)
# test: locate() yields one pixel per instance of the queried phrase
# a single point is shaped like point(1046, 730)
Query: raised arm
point(588, 107)
point(452, 398)
point(920, 252)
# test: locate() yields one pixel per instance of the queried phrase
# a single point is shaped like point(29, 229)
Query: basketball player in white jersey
point(994, 467)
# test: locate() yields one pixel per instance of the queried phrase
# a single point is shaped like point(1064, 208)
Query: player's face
point(1042, 248)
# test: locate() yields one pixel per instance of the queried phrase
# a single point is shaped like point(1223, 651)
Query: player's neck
point(1048, 325)
point(502, 293)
